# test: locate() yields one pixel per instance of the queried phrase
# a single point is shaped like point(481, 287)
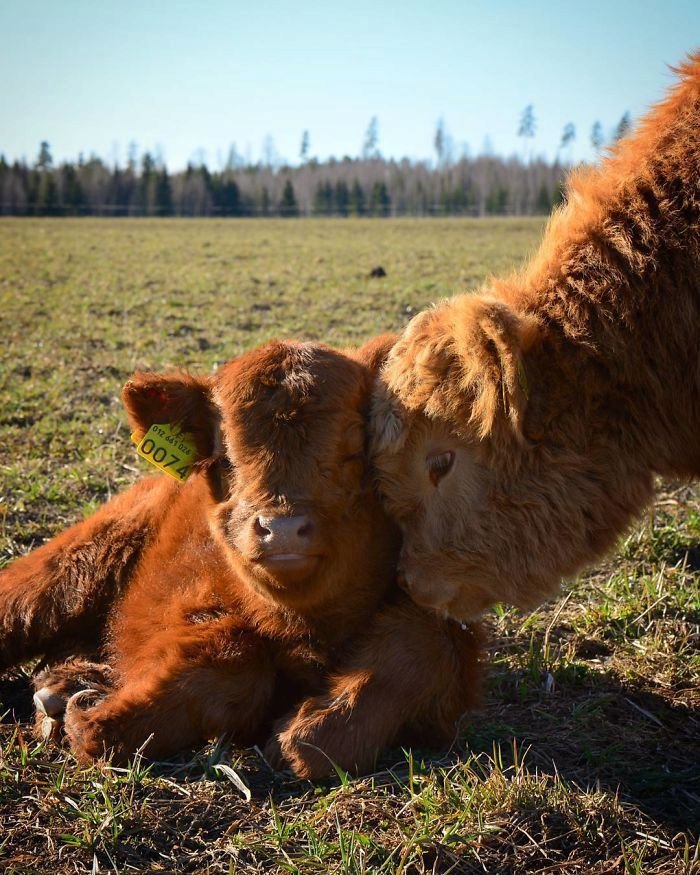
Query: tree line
point(365, 186)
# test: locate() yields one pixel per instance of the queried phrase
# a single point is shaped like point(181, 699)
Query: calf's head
point(281, 435)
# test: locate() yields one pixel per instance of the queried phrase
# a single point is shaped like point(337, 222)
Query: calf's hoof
point(49, 703)
point(54, 688)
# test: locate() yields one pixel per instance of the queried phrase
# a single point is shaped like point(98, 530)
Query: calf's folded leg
point(202, 690)
point(411, 677)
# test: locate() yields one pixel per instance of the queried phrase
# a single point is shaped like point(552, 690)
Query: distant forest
point(350, 187)
point(369, 185)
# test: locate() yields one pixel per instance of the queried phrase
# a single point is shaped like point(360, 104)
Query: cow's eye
point(439, 464)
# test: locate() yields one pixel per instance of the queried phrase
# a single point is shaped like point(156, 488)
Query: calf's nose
point(284, 532)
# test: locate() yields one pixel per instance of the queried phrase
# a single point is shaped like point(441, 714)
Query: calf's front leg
point(201, 692)
point(410, 678)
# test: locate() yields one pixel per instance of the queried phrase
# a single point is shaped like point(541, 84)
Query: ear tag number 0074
point(168, 448)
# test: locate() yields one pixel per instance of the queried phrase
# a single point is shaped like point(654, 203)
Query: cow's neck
point(616, 286)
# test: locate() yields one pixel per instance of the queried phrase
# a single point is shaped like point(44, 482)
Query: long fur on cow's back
point(618, 274)
point(630, 230)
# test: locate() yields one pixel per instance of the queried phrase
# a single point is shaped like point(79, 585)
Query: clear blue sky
point(181, 77)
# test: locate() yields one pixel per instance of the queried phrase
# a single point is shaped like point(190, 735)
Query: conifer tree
point(230, 198)
point(304, 148)
point(380, 202)
point(342, 198)
point(597, 138)
point(73, 194)
point(117, 194)
point(44, 191)
point(544, 200)
point(497, 201)
point(443, 144)
point(147, 186)
point(357, 199)
point(44, 160)
point(323, 199)
point(288, 204)
point(527, 128)
point(623, 127)
point(567, 138)
point(163, 194)
point(370, 147)
point(47, 203)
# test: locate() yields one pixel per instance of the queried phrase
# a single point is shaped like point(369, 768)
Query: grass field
point(585, 757)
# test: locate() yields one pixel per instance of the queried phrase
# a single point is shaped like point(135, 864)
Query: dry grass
point(585, 757)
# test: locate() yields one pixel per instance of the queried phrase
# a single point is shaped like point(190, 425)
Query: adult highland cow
point(519, 430)
point(259, 593)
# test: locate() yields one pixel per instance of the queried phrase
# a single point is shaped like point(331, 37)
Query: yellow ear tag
point(168, 448)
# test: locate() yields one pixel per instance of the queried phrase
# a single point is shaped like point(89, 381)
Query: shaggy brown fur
point(518, 431)
point(261, 590)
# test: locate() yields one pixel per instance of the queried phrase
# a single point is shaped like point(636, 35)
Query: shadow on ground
point(597, 731)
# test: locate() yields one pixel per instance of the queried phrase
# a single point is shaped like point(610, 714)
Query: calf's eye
point(439, 465)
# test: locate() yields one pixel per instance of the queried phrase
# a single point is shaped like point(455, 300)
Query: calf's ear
point(177, 398)
point(389, 420)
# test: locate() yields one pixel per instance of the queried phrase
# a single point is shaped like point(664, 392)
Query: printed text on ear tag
point(168, 448)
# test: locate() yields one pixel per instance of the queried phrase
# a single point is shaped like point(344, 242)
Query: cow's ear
point(491, 342)
point(374, 352)
point(175, 399)
point(464, 362)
